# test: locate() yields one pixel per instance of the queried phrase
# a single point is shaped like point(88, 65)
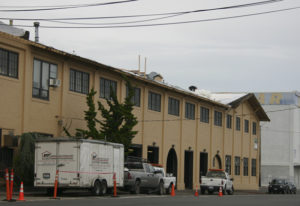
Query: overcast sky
point(256, 53)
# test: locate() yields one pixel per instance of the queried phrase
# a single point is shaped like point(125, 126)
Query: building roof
point(14, 30)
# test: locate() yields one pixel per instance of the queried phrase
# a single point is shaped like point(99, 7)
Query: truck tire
point(97, 188)
point(103, 189)
point(136, 188)
point(161, 189)
point(169, 189)
point(230, 191)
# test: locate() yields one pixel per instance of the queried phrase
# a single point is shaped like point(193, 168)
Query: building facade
point(280, 138)
point(43, 89)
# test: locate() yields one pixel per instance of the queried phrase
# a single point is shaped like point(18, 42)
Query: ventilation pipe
point(11, 22)
point(192, 88)
point(36, 25)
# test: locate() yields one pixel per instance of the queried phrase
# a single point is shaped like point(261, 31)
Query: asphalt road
point(178, 200)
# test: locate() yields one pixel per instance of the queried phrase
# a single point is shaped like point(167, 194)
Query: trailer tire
point(103, 189)
point(97, 188)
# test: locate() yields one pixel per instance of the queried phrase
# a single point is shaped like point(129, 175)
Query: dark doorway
point(203, 164)
point(136, 150)
point(217, 163)
point(172, 162)
point(153, 154)
point(6, 157)
point(188, 169)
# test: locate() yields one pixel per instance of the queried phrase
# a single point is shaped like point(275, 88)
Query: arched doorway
point(172, 162)
point(217, 163)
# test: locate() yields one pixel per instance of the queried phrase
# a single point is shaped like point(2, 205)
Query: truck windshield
point(217, 174)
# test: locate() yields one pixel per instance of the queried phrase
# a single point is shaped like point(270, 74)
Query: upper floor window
point(9, 63)
point(254, 128)
point(107, 87)
point(218, 118)
point(229, 121)
point(246, 125)
point(173, 108)
point(42, 72)
point(189, 110)
point(136, 96)
point(204, 114)
point(79, 81)
point(238, 124)
point(154, 101)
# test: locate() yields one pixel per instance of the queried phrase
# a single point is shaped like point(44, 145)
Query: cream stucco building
point(43, 89)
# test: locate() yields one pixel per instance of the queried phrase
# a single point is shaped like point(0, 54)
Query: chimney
point(36, 25)
point(11, 22)
point(192, 88)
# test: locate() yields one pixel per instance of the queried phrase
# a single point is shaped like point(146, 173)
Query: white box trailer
point(81, 163)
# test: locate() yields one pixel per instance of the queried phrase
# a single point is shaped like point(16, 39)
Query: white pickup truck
point(169, 179)
point(214, 179)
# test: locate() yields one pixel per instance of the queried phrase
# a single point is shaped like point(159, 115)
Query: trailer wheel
point(103, 189)
point(97, 187)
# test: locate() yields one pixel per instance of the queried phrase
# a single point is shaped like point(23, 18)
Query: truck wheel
point(169, 189)
point(137, 187)
point(230, 192)
point(97, 187)
point(103, 189)
point(161, 189)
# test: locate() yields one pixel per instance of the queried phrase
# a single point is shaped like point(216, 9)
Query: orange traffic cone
point(21, 195)
point(196, 192)
point(173, 191)
point(220, 192)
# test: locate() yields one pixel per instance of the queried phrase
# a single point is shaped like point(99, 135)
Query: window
point(204, 114)
point(228, 164)
point(246, 125)
point(237, 165)
point(254, 128)
point(238, 124)
point(246, 166)
point(189, 111)
point(253, 167)
point(107, 87)
point(154, 101)
point(42, 72)
point(218, 118)
point(229, 121)
point(136, 96)
point(79, 81)
point(173, 108)
point(9, 63)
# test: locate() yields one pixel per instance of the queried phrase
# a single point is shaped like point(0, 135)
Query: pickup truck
point(214, 179)
point(139, 176)
point(168, 179)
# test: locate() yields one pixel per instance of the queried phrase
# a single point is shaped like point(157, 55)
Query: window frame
point(253, 167)
point(105, 85)
point(218, 118)
point(73, 88)
point(190, 110)
point(238, 124)
point(246, 126)
point(246, 166)
point(136, 98)
point(204, 114)
point(229, 121)
point(254, 128)
point(9, 62)
point(237, 165)
point(173, 106)
point(154, 101)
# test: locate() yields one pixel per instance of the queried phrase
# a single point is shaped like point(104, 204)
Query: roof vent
point(192, 88)
point(36, 25)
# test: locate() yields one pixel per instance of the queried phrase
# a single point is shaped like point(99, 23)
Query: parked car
point(141, 176)
point(214, 179)
point(292, 188)
point(278, 186)
point(169, 179)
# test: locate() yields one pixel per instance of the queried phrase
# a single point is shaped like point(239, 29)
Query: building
point(280, 138)
point(43, 89)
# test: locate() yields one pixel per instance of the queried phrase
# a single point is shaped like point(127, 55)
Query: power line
point(148, 15)
point(66, 7)
point(164, 24)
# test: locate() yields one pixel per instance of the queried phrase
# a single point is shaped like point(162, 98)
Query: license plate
point(46, 175)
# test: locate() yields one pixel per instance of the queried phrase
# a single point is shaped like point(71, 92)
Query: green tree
point(118, 119)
